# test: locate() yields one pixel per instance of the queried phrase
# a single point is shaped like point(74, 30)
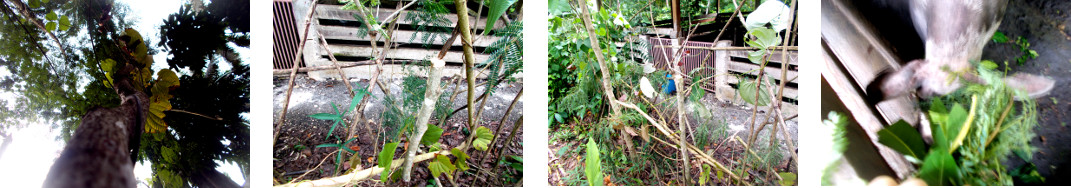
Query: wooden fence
point(341, 31)
point(729, 67)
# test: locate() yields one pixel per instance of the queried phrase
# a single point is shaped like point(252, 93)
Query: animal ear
point(893, 83)
point(1035, 86)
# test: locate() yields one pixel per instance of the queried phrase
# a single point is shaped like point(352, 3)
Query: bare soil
point(1045, 25)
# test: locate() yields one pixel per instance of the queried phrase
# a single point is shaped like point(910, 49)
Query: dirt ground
point(1044, 24)
point(295, 152)
point(562, 164)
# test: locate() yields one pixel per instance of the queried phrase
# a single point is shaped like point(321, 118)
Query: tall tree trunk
point(431, 97)
point(470, 59)
point(605, 70)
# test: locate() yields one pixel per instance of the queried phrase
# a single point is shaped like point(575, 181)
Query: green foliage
point(787, 178)
point(386, 157)
point(483, 138)
point(999, 37)
point(462, 159)
point(495, 10)
point(746, 90)
point(359, 94)
point(903, 138)
point(506, 55)
point(704, 175)
point(441, 165)
point(970, 145)
point(166, 80)
point(342, 149)
point(593, 168)
point(837, 122)
point(432, 135)
point(430, 21)
point(1021, 43)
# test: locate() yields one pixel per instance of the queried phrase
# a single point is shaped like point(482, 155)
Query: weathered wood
point(752, 69)
point(852, 58)
point(400, 36)
point(402, 53)
point(775, 56)
point(335, 12)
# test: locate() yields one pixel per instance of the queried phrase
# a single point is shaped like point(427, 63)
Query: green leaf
point(955, 123)
point(904, 139)
point(756, 56)
point(764, 38)
point(989, 65)
point(441, 165)
point(704, 175)
point(324, 116)
point(483, 138)
point(51, 16)
point(386, 156)
point(964, 126)
point(432, 135)
point(558, 7)
point(64, 23)
point(593, 168)
point(50, 26)
point(357, 97)
point(939, 168)
point(718, 174)
point(496, 9)
point(35, 4)
point(160, 100)
point(329, 145)
point(462, 163)
point(999, 37)
point(787, 178)
point(747, 92)
point(107, 65)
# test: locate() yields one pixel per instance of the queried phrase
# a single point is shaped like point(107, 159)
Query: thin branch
point(217, 118)
point(293, 71)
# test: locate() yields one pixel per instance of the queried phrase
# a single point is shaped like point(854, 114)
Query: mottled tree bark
point(100, 152)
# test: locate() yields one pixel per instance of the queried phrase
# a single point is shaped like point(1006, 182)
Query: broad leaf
point(939, 168)
point(462, 163)
point(962, 127)
point(51, 26)
point(764, 38)
point(432, 135)
point(557, 7)
point(904, 139)
point(64, 23)
point(593, 168)
point(483, 138)
point(496, 9)
point(160, 100)
point(441, 165)
point(704, 175)
point(747, 92)
point(107, 65)
point(386, 156)
point(51, 16)
point(787, 178)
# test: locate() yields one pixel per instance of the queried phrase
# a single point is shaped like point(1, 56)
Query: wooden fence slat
point(793, 56)
point(402, 53)
point(775, 72)
point(400, 36)
point(335, 12)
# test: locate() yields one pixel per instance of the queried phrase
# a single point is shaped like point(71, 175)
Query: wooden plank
point(844, 42)
point(793, 56)
point(752, 69)
point(400, 36)
point(863, 114)
point(402, 53)
point(335, 12)
point(790, 92)
point(852, 40)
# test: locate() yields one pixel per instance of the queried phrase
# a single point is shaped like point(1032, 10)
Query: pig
point(954, 33)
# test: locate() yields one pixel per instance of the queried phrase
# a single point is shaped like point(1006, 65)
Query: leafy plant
point(969, 145)
point(386, 157)
point(593, 167)
point(1021, 43)
point(337, 116)
point(342, 149)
